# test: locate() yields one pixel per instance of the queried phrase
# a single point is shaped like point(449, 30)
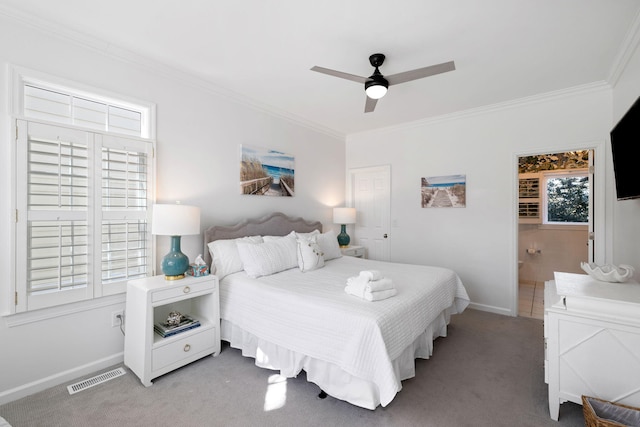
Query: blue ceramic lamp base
point(175, 263)
point(343, 237)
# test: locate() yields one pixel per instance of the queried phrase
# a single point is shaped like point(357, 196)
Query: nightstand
point(354, 251)
point(149, 302)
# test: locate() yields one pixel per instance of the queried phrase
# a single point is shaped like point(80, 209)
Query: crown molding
point(159, 68)
point(487, 109)
point(632, 40)
point(627, 49)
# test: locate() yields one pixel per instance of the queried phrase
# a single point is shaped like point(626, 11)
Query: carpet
point(488, 371)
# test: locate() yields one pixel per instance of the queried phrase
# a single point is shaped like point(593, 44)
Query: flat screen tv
point(625, 147)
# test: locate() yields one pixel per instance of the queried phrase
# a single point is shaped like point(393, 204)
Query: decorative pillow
point(310, 256)
point(270, 257)
point(225, 256)
point(328, 243)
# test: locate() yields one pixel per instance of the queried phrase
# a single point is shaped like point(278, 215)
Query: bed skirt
point(332, 379)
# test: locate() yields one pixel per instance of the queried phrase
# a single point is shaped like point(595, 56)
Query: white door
point(369, 191)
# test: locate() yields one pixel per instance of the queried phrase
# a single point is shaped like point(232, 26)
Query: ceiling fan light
point(376, 91)
point(376, 86)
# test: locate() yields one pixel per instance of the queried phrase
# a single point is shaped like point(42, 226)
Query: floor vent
point(98, 379)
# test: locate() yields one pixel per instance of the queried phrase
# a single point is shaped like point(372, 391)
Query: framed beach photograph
point(448, 191)
point(265, 172)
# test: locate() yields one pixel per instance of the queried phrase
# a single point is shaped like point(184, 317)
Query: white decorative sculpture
point(608, 272)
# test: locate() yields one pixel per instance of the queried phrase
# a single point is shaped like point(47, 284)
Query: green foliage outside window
point(568, 199)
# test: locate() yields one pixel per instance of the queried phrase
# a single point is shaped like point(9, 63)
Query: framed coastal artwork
point(448, 191)
point(265, 172)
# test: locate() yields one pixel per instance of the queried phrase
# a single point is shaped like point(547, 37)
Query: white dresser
point(592, 340)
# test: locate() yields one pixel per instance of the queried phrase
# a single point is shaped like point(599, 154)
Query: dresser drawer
point(182, 289)
point(174, 352)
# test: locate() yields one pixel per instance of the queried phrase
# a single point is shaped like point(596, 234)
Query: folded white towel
point(368, 295)
point(379, 295)
point(371, 275)
point(357, 281)
point(383, 284)
point(365, 286)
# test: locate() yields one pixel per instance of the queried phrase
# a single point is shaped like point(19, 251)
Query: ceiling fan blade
point(419, 73)
point(370, 105)
point(340, 74)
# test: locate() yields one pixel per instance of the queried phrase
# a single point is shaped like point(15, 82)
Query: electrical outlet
point(115, 321)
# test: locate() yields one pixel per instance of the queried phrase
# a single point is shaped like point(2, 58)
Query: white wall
point(626, 213)
point(557, 248)
point(198, 138)
point(479, 241)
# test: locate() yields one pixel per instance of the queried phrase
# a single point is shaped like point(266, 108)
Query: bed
point(291, 320)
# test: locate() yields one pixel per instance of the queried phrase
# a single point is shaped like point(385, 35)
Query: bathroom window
point(566, 198)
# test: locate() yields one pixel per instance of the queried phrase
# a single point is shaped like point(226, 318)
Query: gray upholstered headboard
point(275, 224)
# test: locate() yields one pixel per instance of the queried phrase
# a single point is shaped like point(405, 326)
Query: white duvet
point(310, 313)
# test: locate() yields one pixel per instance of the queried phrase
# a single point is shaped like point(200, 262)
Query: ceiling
point(261, 51)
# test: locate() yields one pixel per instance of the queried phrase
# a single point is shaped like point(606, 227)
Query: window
point(83, 190)
point(566, 197)
point(46, 98)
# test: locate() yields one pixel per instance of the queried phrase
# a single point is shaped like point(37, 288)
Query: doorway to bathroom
point(555, 221)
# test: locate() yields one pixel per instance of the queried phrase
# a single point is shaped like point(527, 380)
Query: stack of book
point(166, 330)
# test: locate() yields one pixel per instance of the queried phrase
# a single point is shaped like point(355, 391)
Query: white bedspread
point(310, 313)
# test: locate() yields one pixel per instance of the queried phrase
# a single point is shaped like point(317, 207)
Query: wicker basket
point(608, 414)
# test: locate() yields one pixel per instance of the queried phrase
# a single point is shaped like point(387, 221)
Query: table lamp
point(344, 216)
point(175, 220)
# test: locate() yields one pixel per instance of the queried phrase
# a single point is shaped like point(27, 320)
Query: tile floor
point(531, 300)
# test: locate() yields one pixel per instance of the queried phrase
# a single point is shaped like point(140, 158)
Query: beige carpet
point(487, 372)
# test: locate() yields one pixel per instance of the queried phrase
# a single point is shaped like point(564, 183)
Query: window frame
point(100, 294)
point(545, 177)
point(21, 76)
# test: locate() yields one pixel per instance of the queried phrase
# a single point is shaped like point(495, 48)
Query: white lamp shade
point(376, 91)
point(175, 220)
point(344, 215)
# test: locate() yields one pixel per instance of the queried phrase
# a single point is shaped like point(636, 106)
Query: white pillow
point(225, 256)
point(307, 235)
point(328, 243)
point(291, 235)
point(310, 256)
point(270, 257)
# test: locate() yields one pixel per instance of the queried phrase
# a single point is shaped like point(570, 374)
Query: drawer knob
point(186, 290)
point(187, 347)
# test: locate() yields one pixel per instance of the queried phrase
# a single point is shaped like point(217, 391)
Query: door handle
point(385, 235)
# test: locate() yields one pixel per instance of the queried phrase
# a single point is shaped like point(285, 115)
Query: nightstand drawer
point(354, 251)
point(176, 291)
point(358, 252)
point(166, 355)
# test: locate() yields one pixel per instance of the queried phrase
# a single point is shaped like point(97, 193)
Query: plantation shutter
point(125, 195)
point(55, 236)
point(82, 228)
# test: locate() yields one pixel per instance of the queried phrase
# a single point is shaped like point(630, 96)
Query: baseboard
point(492, 309)
point(60, 378)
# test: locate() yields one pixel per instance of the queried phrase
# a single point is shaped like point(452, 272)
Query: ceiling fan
point(376, 85)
